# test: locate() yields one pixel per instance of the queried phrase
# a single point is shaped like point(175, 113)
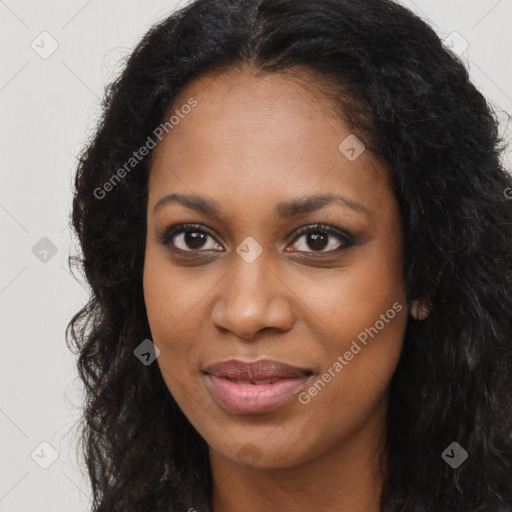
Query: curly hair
point(411, 102)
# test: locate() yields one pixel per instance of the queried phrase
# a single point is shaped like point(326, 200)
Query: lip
point(261, 369)
point(254, 387)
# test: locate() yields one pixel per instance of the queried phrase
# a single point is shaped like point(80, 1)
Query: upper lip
point(257, 370)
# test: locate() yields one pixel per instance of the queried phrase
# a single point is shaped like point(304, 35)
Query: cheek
point(351, 299)
point(159, 299)
point(174, 302)
point(360, 312)
point(170, 297)
point(169, 304)
point(166, 314)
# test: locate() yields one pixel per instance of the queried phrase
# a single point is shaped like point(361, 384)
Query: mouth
point(251, 388)
point(256, 371)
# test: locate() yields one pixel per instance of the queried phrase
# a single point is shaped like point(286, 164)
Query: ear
point(419, 310)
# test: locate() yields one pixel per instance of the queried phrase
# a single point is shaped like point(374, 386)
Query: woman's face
point(249, 156)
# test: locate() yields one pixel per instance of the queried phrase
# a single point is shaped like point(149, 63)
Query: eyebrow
point(285, 209)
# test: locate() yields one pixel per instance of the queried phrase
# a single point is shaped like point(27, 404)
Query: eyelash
point(347, 240)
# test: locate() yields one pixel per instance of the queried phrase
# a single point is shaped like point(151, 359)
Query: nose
point(252, 297)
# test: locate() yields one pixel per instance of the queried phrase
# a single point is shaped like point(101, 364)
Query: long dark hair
point(409, 99)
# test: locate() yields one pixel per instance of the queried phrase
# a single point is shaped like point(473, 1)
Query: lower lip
point(253, 398)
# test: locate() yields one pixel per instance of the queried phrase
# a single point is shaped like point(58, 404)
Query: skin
point(250, 143)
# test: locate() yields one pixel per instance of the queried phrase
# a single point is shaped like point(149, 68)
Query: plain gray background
point(49, 105)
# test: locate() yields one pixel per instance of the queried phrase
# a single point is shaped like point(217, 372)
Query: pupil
point(318, 240)
point(194, 239)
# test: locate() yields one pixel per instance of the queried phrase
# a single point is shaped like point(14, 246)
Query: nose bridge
point(250, 276)
point(251, 298)
point(248, 288)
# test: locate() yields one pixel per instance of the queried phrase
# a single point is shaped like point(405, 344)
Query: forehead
point(259, 137)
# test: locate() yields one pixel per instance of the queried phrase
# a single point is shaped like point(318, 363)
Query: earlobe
point(418, 310)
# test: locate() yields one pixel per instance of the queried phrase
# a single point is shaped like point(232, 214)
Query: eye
point(319, 238)
point(190, 238)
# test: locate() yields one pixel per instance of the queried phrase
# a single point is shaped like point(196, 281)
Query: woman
point(295, 226)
